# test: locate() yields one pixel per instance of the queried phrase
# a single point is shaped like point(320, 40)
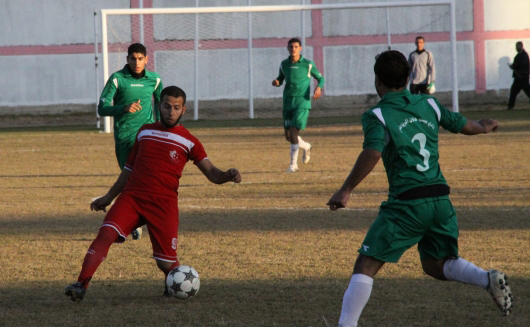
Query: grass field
point(268, 251)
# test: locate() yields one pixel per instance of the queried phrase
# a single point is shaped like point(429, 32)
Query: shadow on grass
point(192, 220)
point(223, 303)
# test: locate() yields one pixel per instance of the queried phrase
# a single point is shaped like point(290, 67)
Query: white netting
point(342, 42)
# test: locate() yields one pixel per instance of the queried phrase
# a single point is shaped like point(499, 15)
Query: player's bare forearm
point(216, 175)
point(483, 126)
point(365, 163)
point(102, 202)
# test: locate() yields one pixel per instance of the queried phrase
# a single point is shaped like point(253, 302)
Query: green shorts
point(295, 118)
point(123, 148)
point(430, 222)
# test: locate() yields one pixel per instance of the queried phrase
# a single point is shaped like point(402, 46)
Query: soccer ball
point(183, 282)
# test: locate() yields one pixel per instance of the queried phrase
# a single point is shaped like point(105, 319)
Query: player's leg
point(514, 91)
point(439, 257)
point(287, 124)
point(300, 118)
point(414, 89)
point(422, 88)
point(123, 148)
point(391, 234)
point(526, 88)
point(162, 220)
point(359, 290)
point(119, 221)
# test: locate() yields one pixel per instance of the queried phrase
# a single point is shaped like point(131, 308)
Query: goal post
point(228, 53)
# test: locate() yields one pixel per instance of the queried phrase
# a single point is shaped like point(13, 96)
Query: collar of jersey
point(127, 72)
point(296, 62)
point(392, 95)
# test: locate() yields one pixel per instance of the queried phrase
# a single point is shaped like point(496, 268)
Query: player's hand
point(100, 204)
point(318, 93)
point(490, 124)
point(338, 200)
point(234, 174)
point(133, 107)
point(275, 83)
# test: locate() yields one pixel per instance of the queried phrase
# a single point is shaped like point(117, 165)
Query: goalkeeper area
point(269, 252)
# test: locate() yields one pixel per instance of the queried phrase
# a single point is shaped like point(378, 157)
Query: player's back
point(411, 124)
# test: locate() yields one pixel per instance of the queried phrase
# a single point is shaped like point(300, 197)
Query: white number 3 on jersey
point(420, 137)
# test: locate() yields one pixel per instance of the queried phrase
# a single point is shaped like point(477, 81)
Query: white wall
point(350, 69)
point(500, 53)
point(506, 15)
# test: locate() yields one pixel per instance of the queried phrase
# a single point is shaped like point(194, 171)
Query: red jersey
point(158, 157)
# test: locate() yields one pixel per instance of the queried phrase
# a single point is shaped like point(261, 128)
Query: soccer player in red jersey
point(149, 190)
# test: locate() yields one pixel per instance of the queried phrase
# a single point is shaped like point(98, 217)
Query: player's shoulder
point(152, 74)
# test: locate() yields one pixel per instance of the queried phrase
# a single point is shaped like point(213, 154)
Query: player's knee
point(434, 268)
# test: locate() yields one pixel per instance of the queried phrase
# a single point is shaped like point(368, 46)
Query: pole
point(453, 57)
point(388, 29)
point(141, 5)
point(250, 80)
point(96, 64)
point(302, 34)
point(105, 53)
point(196, 67)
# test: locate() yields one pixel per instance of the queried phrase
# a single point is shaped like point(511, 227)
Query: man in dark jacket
point(520, 74)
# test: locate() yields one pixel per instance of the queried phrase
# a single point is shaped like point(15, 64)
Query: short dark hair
point(136, 48)
point(519, 43)
point(173, 91)
point(392, 69)
point(419, 37)
point(294, 40)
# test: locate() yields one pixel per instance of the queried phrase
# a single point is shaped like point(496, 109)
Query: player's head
point(137, 57)
point(391, 71)
point(420, 43)
point(294, 46)
point(172, 105)
point(519, 46)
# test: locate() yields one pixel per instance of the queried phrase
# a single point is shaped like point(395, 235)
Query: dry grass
point(268, 251)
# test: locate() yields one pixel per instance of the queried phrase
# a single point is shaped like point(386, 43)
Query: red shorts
point(161, 216)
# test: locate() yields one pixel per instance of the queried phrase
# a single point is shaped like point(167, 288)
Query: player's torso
point(162, 155)
point(129, 90)
point(411, 155)
point(297, 77)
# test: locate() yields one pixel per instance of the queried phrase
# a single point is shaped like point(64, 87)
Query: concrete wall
point(47, 47)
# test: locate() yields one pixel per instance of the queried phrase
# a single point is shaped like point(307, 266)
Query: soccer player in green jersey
point(403, 129)
point(297, 71)
point(127, 97)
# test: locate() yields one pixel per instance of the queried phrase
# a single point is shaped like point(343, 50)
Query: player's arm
point(365, 163)
point(102, 202)
point(156, 96)
point(431, 71)
point(483, 126)
point(318, 89)
point(106, 109)
point(216, 175)
point(279, 80)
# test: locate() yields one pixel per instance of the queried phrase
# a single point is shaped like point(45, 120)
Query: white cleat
point(137, 234)
point(292, 169)
point(306, 155)
point(500, 291)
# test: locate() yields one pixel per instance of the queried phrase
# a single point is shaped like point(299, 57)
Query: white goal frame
point(249, 9)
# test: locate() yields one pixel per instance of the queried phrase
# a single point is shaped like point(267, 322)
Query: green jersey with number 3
point(404, 127)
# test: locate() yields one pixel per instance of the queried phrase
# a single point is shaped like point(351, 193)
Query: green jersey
point(404, 127)
point(297, 76)
point(123, 88)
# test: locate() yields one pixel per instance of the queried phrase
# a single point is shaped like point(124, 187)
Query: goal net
point(226, 57)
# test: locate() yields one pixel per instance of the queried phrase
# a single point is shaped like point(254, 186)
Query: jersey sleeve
point(156, 96)
point(316, 74)
point(129, 164)
point(374, 132)
point(104, 107)
point(197, 153)
point(451, 121)
point(431, 71)
point(281, 75)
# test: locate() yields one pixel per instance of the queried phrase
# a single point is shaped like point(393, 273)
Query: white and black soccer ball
point(183, 282)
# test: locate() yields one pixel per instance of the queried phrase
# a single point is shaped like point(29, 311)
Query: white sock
point(294, 154)
point(465, 272)
point(303, 144)
point(355, 298)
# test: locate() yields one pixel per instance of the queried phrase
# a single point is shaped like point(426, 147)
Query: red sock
point(96, 253)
